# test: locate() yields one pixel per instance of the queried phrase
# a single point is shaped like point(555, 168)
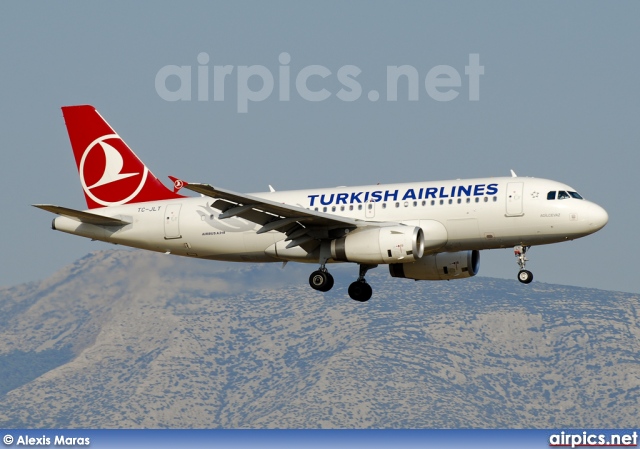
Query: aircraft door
point(514, 199)
point(172, 221)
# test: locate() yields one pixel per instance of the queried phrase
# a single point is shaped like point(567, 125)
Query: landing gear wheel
point(321, 281)
point(360, 291)
point(525, 276)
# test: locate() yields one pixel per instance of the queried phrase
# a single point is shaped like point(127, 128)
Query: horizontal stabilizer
point(84, 217)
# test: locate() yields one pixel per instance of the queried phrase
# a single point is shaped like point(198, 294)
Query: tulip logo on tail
point(177, 183)
point(106, 177)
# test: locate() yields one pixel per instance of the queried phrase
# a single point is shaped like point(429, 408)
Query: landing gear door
point(172, 221)
point(514, 199)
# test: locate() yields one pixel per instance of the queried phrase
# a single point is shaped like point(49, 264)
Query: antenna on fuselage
point(513, 174)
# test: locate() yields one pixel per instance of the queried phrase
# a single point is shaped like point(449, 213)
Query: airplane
point(421, 230)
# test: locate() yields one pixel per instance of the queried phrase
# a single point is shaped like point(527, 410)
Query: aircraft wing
point(83, 217)
point(301, 225)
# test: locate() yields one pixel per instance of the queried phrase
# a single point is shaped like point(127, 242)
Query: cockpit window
point(576, 195)
point(562, 195)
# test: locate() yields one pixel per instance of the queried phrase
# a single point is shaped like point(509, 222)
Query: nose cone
point(598, 217)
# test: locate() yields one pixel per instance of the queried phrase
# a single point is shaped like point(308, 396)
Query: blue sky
point(559, 99)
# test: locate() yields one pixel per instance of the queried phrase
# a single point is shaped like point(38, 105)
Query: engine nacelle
point(442, 266)
point(390, 244)
point(435, 234)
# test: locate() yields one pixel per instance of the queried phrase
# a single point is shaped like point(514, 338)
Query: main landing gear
point(524, 276)
point(359, 290)
point(321, 280)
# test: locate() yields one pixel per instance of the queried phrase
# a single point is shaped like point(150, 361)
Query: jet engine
point(442, 266)
point(391, 244)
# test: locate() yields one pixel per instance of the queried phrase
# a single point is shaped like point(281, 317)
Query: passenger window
point(477, 200)
point(551, 195)
point(486, 198)
point(359, 206)
point(384, 205)
point(495, 198)
point(370, 206)
point(562, 195)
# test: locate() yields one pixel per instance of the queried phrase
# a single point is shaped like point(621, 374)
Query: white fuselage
point(478, 214)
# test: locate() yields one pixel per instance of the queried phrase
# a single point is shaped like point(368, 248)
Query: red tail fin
point(110, 173)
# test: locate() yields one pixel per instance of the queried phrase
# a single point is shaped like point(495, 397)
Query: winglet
point(177, 183)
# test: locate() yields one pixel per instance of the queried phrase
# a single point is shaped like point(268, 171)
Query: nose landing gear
point(524, 276)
